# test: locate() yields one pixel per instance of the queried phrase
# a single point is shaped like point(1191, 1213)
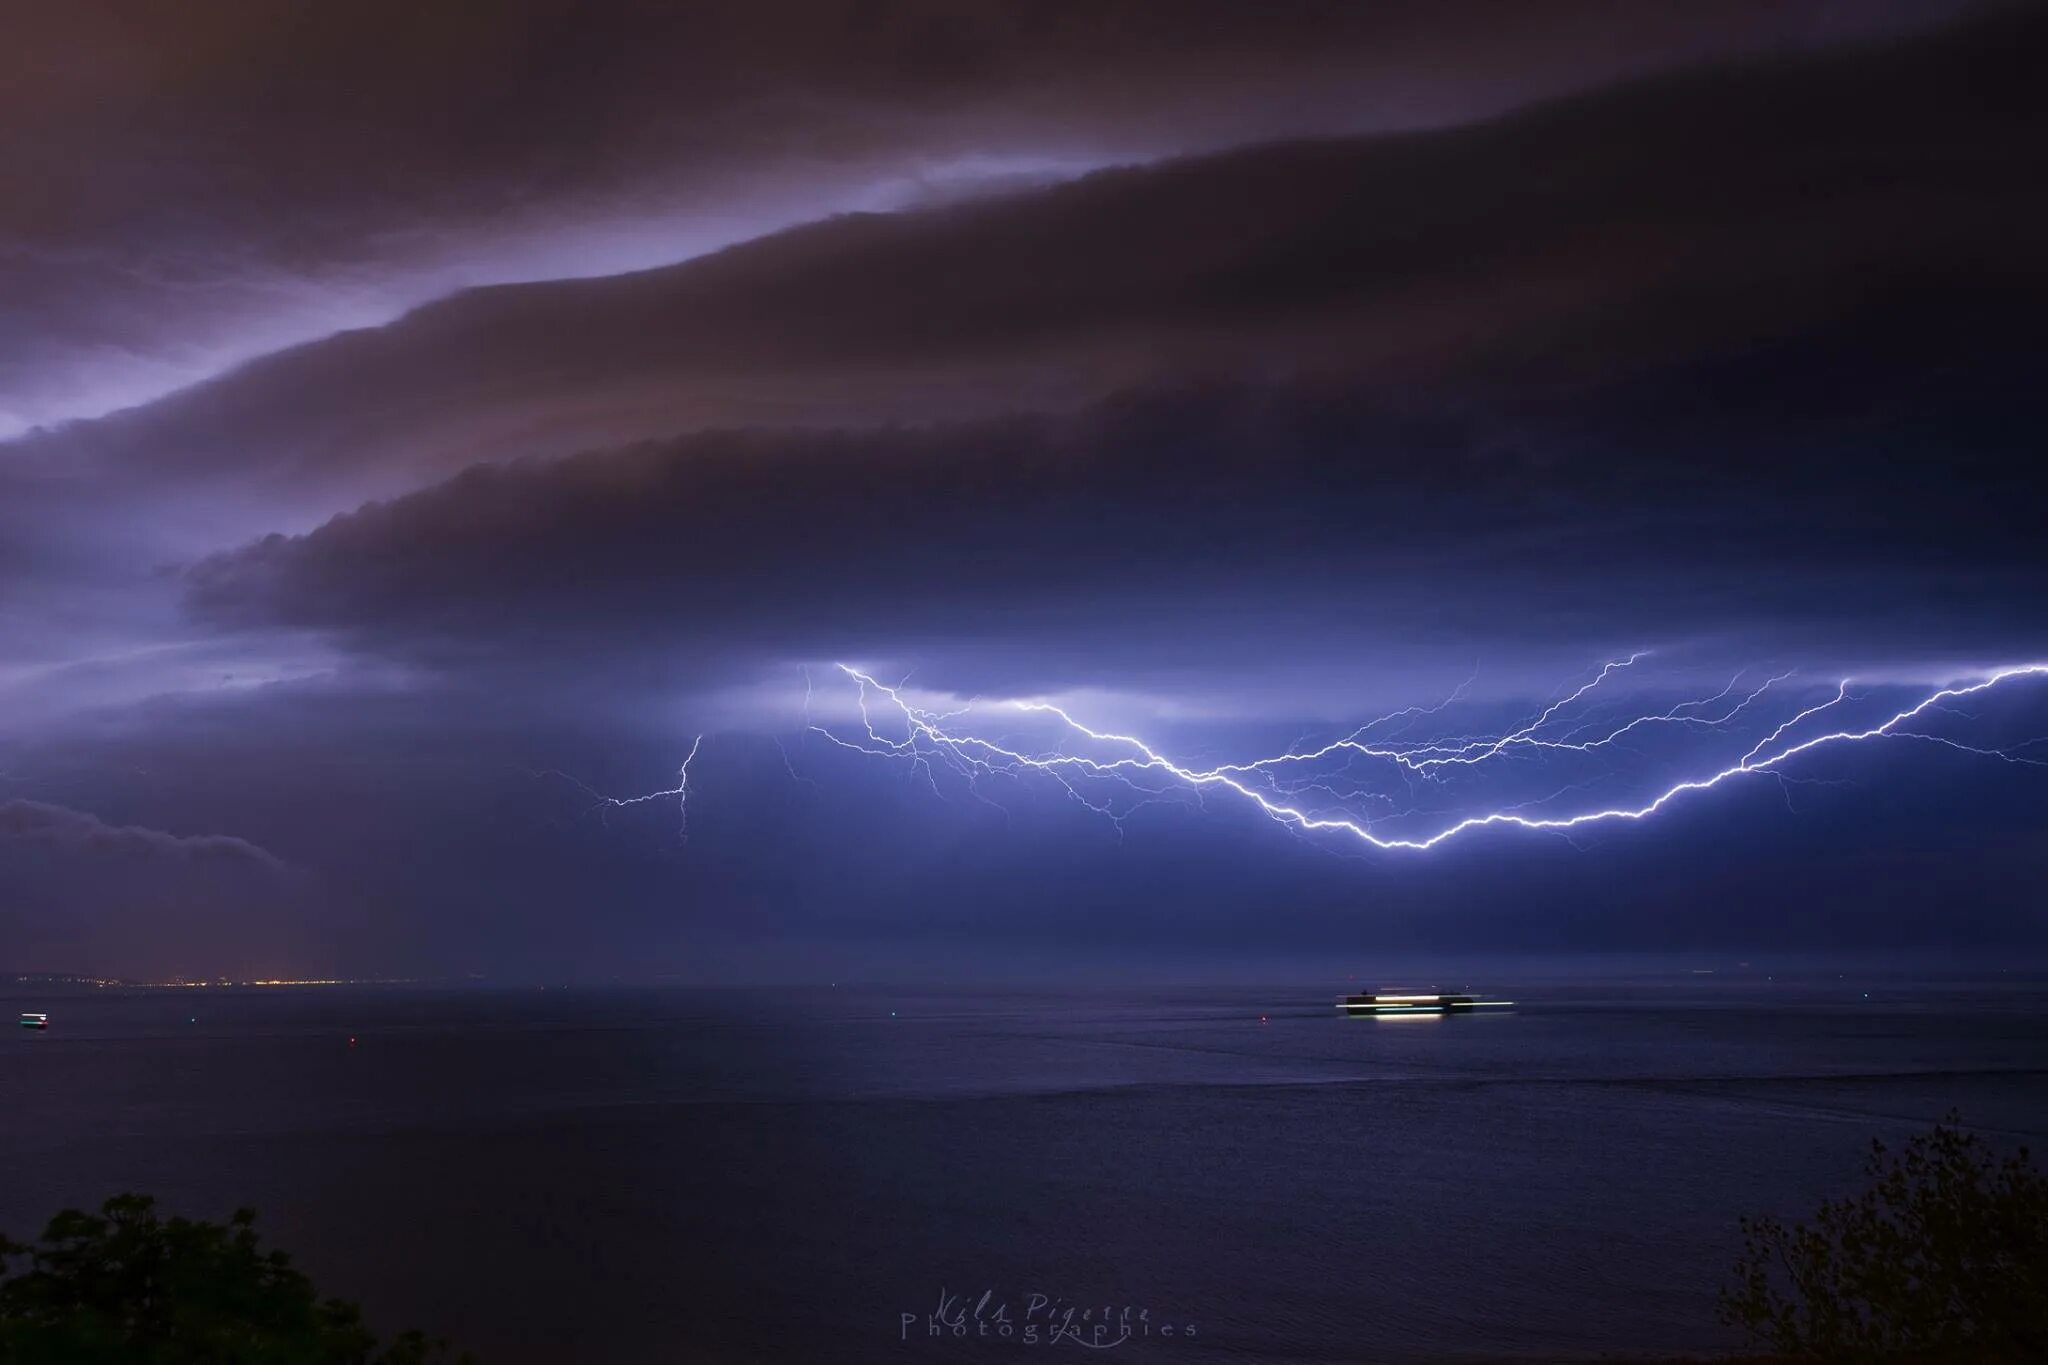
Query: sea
point(824, 1172)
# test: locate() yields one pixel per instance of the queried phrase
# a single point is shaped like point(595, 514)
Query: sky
point(612, 491)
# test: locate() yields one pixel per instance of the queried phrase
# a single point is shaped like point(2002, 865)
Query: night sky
point(420, 424)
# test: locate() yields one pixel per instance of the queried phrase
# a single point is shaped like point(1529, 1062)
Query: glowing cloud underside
point(1411, 794)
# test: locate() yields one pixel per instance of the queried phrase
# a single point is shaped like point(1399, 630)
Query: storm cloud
point(202, 186)
point(520, 401)
point(1614, 231)
point(1172, 526)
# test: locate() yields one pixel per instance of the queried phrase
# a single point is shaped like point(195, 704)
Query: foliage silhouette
point(1944, 1257)
point(127, 1287)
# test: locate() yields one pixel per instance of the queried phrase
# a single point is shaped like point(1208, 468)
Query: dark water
point(779, 1175)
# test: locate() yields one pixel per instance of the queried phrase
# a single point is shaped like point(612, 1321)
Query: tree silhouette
point(1943, 1258)
point(126, 1287)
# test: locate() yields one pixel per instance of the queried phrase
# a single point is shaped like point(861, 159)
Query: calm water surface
point(648, 1176)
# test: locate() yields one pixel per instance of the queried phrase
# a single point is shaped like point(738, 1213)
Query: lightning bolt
point(680, 792)
point(1124, 773)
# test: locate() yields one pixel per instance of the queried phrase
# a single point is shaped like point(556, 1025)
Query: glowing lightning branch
point(1480, 752)
point(1134, 774)
point(680, 791)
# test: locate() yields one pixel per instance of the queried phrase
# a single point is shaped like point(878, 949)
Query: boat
point(1411, 1004)
point(35, 1021)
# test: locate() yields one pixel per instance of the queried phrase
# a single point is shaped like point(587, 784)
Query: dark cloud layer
point(200, 182)
point(1616, 229)
point(1161, 524)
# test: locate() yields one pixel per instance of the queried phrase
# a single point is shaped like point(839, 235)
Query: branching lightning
point(1402, 800)
point(680, 792)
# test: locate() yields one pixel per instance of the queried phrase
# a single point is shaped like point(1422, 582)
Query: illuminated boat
point(1407, 1004)
point(35, 1021)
